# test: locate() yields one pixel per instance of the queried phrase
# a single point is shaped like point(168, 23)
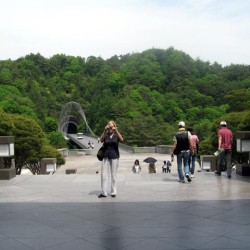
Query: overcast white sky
point(213, 30)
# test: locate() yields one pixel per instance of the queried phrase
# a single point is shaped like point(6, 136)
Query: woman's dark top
point(111, 146)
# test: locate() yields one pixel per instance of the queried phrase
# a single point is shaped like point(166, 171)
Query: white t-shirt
point(137, 168)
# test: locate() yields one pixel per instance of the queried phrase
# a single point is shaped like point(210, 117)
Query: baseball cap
point(223, 123)
point(181, 124)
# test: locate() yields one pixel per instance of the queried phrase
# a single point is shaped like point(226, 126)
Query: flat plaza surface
point(151, 211)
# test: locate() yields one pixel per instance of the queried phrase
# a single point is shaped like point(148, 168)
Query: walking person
point(164, 167)
point(169, 164)
point(225, 141)
point(110, 138)
point(194, 143)
point(182, 148)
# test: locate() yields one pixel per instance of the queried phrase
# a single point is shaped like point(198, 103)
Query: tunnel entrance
point(72, 128)
point(71, 117)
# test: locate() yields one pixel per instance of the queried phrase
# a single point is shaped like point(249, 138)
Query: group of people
point(91, 145)
point(185, 147)
point(166, 168)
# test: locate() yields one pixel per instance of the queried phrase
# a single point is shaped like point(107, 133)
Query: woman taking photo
point(110, 138)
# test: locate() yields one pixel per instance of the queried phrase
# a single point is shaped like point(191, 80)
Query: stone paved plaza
point(151, 211)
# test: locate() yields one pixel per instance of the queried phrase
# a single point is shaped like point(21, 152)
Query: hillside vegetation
point(146, 93)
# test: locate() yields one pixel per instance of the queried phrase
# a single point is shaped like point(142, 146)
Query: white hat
point(181, 124)
point(223, 123)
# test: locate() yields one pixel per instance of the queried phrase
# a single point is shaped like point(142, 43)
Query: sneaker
point(217, 173)
point(192, 176)
point(113, 195)
point(188, 178)
point(102, 196)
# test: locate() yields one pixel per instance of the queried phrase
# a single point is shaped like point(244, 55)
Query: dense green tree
point(5, 76)
point(57, 140)
point(238, 100)
point(152, 91)
point(50, 125)
point(94, 65)
point(13, 102)
point(29, 140)
point(236, 73)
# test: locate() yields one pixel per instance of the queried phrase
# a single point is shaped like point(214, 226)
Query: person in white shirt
point(136, 168)
point(164, 167)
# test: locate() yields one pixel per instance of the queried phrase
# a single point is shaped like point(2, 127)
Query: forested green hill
point(146, 93)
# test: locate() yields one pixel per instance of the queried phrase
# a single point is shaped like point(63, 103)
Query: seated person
point(151, 168)
point(136, 168)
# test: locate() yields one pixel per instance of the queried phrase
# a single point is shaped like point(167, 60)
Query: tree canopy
point(30, 141)
point(146, 93)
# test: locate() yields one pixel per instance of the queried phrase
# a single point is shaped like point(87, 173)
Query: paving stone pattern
point(151, 211)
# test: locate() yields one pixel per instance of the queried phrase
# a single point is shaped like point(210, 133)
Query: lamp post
point(7, 169)
point(243, 146)
point(208, 162)
point(48, 165)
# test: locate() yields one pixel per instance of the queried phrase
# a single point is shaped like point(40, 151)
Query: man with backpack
point(182, 148)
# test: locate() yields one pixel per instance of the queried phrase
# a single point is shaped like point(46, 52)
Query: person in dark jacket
point(182, 148)
point(110, 138)
point(169, 164)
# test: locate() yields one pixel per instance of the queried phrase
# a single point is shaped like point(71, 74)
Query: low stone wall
point(64, 151)
point(159, 149)
point(139, 150)
point(75, 152)
point(163, 149)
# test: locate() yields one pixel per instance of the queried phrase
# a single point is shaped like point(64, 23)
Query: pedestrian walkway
point(151, 211)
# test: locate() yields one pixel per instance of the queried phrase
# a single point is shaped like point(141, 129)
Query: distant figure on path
point(225, 141)
point(136, 168)
point(164, 167)
point(169, 167)
point(151, 168)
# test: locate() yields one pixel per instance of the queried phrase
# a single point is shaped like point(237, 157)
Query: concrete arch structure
point(71, 117)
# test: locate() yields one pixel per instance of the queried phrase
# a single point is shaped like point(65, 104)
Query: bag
point(175, 151)
point(182, 142)
point(100, 153)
